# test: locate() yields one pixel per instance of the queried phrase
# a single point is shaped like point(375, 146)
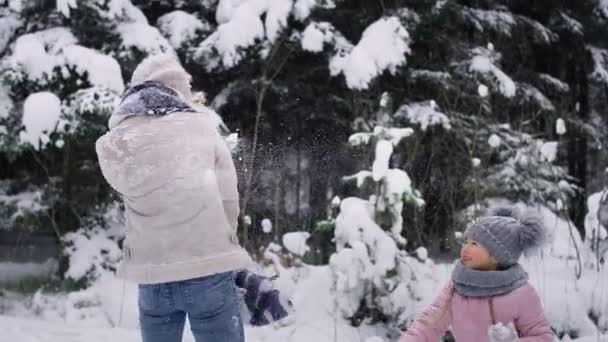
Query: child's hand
point(266, 304)
point(502, 333)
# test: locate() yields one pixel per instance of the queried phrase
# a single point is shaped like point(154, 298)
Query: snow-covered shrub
point(374, 277)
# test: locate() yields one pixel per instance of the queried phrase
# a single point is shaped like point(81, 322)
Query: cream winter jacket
point(178, 183)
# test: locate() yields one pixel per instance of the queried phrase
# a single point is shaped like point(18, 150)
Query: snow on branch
point(483, 63)
point(425, 114)
point(531, 94)
point(505, 22)
point(241, 26)
point(179, 27)
point(37, 54)
point(383, 46)
point(600, 59)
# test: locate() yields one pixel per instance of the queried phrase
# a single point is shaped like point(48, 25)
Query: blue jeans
point(211, 304)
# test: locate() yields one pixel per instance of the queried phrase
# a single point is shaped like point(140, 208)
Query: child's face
point(477, 257)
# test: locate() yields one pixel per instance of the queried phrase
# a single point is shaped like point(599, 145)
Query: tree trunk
point(577, 140)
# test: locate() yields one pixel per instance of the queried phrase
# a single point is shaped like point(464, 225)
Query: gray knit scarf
point(154, 99)
point(472, 283)
point(151, 98)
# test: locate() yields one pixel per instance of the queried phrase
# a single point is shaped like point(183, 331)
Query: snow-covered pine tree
point(61, 90)
point(295, 79)
point(375, 278)
point(481, 62)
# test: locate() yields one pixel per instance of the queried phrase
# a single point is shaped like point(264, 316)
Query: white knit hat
point(164, 68)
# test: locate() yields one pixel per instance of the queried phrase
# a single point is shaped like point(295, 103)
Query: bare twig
point(264, 84)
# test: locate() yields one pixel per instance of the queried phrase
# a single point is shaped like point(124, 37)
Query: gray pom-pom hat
point(507, 234)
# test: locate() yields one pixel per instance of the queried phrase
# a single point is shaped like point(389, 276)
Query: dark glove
point(263, 300)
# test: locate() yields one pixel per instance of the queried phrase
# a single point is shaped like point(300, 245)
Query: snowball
point(384, 150)
point(494, 141)
point(560, 127)
point(295, 242)
point(41, 114)
point(482, 90)
point(266, 226)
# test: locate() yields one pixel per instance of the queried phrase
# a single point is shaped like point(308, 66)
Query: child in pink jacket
point(489, 297)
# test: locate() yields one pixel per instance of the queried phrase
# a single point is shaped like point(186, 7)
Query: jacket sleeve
point(531, 324)
point(108, 157)
point(434, 321)
point(228, 184)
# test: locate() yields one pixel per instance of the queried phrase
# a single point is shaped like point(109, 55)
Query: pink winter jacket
point(470, 318)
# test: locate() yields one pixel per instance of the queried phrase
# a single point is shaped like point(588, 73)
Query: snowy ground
point(107, 311)
point(315, 320)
